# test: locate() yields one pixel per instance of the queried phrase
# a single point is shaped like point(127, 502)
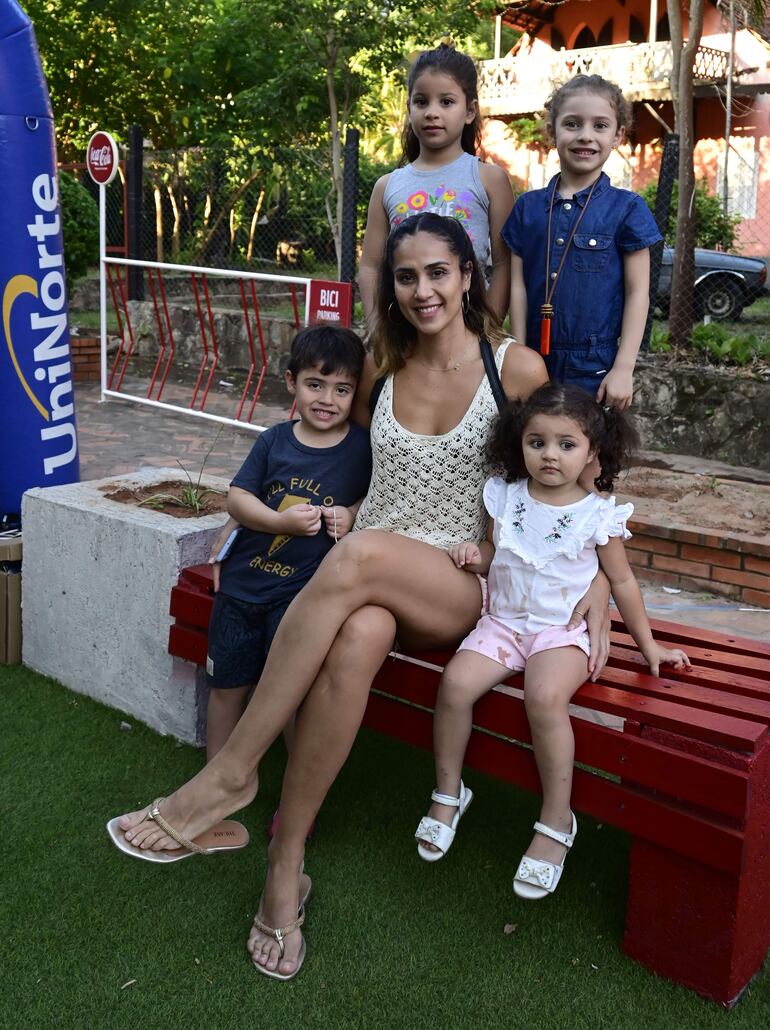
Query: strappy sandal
point(279, 935)
point(535, 879)
point(431, 831)
point(227, 835)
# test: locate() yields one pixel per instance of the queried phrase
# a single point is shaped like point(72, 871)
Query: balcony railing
point(521, 84)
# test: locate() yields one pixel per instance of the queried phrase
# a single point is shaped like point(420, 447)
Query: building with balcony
point(628, 41)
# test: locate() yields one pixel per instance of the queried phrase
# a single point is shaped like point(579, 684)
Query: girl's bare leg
point(326, 727)
point(550, 680)
point(467, 677)
point(434, 604)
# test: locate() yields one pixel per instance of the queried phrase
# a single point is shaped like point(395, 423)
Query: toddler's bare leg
point(225, 709)
point(550, 680)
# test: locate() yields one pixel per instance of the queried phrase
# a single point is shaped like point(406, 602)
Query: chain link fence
point(264, 212)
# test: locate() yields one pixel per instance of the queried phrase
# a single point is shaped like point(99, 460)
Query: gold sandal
point(279, 935)
point(227, 835)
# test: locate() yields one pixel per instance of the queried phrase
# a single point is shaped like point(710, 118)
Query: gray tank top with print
point(454, 189)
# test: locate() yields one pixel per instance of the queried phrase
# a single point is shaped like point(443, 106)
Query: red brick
point(759, 597)
point(712, 555)
point(693, 583)
point(656, 544)
point(752, 564)
point(743, 579)
point(682, 568)
point(636, 557)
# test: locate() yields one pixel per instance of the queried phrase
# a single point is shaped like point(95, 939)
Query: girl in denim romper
point(598, 270)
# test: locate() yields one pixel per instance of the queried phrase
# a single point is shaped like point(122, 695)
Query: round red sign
point(102, 158)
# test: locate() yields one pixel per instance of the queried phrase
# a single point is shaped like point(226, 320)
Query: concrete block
point(97, 582)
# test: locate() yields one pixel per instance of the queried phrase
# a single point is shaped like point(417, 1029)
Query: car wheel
point(721, 299)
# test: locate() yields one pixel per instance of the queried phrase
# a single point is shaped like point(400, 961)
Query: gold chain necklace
point(454, 367)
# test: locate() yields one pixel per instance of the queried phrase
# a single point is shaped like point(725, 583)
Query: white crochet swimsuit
point(430, 487)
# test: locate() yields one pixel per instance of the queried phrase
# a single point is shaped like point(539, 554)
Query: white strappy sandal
point(535, 879)
point(431, 831)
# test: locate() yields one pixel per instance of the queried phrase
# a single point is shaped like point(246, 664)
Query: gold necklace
point(454, 367)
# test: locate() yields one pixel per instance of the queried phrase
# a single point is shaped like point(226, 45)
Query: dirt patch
point(171, 497)
point(683, 499)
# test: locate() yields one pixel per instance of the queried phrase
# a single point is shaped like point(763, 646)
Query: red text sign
point(330, 302)
point(102, 158)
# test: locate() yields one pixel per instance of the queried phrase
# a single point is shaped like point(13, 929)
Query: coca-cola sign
point(102, 158)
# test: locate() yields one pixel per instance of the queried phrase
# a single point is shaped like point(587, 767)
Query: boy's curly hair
point(611, 433)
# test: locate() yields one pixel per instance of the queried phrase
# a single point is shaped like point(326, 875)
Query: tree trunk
point(334, 214)
point(682, 311)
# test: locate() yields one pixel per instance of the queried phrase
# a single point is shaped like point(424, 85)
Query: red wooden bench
point(687, 775)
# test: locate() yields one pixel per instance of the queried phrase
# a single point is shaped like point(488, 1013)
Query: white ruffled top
point(545, 554)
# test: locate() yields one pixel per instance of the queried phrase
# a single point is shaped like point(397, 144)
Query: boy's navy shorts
point(240, 635)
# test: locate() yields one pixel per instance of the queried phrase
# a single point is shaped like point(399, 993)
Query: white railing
point(521, 84)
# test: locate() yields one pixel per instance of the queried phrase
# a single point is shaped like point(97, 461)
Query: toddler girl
point(442, 175)
point(546, 539)
point(580, 264)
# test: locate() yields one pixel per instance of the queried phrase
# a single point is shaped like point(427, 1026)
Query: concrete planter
point(97, 582)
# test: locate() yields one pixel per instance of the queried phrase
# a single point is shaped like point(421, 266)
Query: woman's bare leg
point(550, 680)
point(326, 728)
point(434, 604)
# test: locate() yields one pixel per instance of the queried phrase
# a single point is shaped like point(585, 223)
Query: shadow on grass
point(94, 939)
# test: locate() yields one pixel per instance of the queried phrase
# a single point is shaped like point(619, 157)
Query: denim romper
point(589, 297)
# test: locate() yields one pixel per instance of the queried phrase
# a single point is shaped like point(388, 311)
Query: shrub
point(80, 228)
point(713, 228)
point(722, 347)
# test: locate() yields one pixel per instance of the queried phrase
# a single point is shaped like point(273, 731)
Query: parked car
point(724, 283)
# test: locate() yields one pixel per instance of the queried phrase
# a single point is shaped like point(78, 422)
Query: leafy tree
point(80, 227)
point(713, 228)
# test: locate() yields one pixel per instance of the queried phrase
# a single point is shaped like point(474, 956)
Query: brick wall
point(734, 565)
point(86, 355)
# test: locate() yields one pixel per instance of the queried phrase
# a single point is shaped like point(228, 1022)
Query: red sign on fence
point(330, 302)
point(102, 158)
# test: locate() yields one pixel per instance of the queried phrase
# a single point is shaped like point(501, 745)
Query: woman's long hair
point(394, 335)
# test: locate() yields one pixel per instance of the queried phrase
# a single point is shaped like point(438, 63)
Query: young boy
point(295, 495)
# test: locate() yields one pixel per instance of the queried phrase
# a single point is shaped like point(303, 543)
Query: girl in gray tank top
point(441, 173)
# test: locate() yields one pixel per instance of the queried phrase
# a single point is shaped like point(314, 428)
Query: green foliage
point(713, 228)
point(722, 347)
point(527, 131)
point(80, 227)
point(659, 341)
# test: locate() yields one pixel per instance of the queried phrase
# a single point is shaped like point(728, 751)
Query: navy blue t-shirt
point(264, 568)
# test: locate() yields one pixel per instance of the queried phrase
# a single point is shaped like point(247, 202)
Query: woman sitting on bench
point(393, 574)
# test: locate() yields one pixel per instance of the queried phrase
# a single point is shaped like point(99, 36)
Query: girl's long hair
point(462, 69)
point(611, 433)
point(394, 336)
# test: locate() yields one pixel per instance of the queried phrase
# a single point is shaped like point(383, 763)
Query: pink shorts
point(495, 640)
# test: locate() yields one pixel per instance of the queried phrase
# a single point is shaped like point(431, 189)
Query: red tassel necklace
point(546, 309)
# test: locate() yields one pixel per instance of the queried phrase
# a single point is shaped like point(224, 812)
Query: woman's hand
point(339, 520)
point(593, 606)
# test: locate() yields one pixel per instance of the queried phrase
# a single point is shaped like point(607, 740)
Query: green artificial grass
point(92, 938)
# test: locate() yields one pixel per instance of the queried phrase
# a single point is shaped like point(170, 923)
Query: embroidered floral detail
point(517, 523)
point(418, 200)
point(449, 195)
point(461, 213)
point(561, 524)
point(401, 208)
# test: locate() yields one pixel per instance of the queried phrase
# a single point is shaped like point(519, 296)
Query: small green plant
point(724, 348)
point(659, 341)
point(193, 496)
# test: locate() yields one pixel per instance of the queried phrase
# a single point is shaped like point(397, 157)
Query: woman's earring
point(466, 303)
point(390, 313)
